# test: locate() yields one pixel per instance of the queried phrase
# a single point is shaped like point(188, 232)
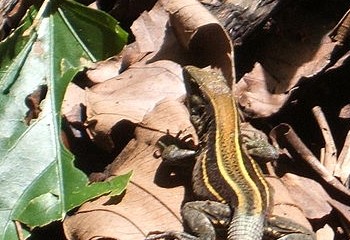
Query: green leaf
point(14, 51)
point(94, 32)
point(38, 181)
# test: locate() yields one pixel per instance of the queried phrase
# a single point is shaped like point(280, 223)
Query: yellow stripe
point(242, 202)
point(228, 130)
point(207, 183)
point(262, 180)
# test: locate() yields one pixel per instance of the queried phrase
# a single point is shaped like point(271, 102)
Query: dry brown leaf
point(284, 204)
point(131, 95)
point(147, 31)
point(131, 219)
point(187, 17)
point(254, 92)
point(71, 105)
point(345, 112)
point(104, 70)
point(289, 63)
point(135, 91)
point(201, 33)
point(146, 206)
point(309, 195)
point(302, 50)
point(168, 117)
point(150, 32)
point(148, 94)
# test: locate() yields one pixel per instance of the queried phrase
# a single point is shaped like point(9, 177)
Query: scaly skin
point(223, 171)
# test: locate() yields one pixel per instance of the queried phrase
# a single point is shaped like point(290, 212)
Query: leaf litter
point(279, 83)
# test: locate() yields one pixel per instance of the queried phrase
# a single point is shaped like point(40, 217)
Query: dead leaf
point(186, 18)
point(285, 205)
point(72, 103)
point(309, 195)
point(254, 92)
point(135, 91)
point(150, 31)
point(145, 207)
point(132, 218)
point(104, 70)
point(302, 50)
point(201, 33)
point(147, 31)
point(131, 95)
point(345, 112)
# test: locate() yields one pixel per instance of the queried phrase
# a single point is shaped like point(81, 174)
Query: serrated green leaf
point(38, 180)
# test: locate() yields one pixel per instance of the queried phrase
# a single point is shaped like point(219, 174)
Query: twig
point(342, 169)
point(286, 131)
point(330, 154)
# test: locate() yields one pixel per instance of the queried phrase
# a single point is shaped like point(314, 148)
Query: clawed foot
point(174, 150)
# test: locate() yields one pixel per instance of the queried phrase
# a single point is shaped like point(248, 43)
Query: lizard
point(229, 186)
